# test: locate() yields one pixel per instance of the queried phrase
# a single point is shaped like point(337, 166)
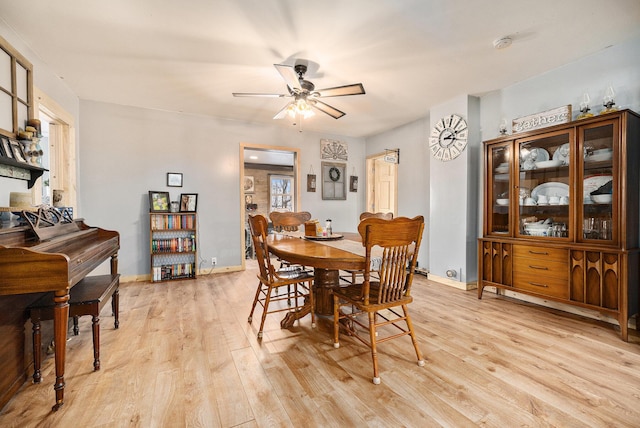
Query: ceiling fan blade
point(326, 108)
point(340, 91)
point(282, 113)
point(289, 75)
point(257, 94)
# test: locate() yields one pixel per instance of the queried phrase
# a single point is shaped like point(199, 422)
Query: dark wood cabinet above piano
point(20, 170)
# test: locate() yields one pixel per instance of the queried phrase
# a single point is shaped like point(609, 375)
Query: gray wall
point(618, 66)
point(127, 151)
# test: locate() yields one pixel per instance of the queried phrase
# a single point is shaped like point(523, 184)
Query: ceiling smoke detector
point(502, 42)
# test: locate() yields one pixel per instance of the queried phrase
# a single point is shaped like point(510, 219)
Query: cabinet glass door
point(499, 165)
point(544, 185)
point(597, 177)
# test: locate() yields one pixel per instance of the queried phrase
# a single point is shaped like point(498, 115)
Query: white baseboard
point(453, 283)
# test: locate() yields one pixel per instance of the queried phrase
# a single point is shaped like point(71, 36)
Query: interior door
point(382, 177)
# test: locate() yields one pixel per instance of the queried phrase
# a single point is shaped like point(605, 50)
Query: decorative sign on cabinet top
point(543, 119)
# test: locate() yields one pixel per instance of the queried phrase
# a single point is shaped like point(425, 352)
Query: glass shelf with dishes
point(597, 173)
point(500, 188)
point(544, 182)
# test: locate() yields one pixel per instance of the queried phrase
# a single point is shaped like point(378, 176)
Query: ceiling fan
point(305, 96)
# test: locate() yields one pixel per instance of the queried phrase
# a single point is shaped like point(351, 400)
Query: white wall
point(127, 151)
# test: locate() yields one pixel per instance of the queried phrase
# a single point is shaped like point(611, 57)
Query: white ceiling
point(189, 56)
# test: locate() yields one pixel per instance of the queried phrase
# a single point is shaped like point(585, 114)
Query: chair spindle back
point(399, 240)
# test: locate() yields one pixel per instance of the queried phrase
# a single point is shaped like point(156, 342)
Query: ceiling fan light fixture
point(300, 107)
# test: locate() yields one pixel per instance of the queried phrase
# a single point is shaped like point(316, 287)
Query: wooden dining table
point(326, 257)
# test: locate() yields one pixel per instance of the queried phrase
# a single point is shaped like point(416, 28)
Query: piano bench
point(87, 297)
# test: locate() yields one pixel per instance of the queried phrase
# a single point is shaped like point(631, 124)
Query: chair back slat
point(288, 221)
point(258, 227)
point(399, 240)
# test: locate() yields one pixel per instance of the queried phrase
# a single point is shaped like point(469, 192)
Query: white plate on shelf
point(543, 155)
point(592, 183)
point(599, 157)
point(552, 188)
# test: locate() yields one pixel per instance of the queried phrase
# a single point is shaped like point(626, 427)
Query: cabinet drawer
point(542, 284)
point(540, 253)
point(541, 267)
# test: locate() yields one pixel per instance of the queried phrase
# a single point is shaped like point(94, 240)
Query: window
point(281, 194)
point(16, 90)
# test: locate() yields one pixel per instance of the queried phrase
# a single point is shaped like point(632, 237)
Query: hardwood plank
point(185, 355)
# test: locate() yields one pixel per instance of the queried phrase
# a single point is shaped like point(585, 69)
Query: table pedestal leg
point(323, 281)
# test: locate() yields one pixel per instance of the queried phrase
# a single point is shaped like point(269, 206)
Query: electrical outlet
point(214, 261)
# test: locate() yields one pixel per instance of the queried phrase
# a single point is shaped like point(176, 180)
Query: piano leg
point(60, 319)
point(114, 264)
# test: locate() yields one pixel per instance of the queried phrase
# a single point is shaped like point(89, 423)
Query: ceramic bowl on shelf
point(601, 199)
point(502, 201)
point(548, 164)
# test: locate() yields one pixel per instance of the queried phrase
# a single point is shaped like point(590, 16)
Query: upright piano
point(32, 262)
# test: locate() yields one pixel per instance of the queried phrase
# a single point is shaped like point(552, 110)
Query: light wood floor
point(185, 356)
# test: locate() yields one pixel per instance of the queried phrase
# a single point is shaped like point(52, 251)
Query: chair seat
point(353, 293)
point(293, 272)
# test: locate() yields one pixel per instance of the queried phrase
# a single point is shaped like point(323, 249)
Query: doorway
point(261, 166)
point(382, 184)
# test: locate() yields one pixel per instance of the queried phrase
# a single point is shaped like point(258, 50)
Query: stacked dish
point(600, 155)
point(540, 228)
point(548, 163)
point(502, 168)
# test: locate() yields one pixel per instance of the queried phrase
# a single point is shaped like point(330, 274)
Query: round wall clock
point(448, 138)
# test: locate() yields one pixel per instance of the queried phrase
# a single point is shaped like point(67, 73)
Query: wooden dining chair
point(288, 221)
point(298, 281)
point(398, 241)
point(367, 214)
point(350, 276)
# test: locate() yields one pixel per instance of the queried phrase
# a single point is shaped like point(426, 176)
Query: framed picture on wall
point(188, 202)
point(158, 201)
point(174, 179)
point(249, 184)
point(334, 185)
point(5, 148)
point(311, 182)
point(18, 152)
point(353, 183)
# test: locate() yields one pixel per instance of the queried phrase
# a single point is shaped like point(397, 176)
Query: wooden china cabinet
point(561, 214)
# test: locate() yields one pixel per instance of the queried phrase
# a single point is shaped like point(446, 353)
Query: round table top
point(313, 253)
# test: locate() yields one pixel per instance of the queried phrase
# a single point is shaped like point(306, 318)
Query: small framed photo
point(158, 201)
point(174, 179)
point(188, 202)
point(5, 148)
point(249, 184)
point(311, 182)
point(17, 151)
point(353, 183)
